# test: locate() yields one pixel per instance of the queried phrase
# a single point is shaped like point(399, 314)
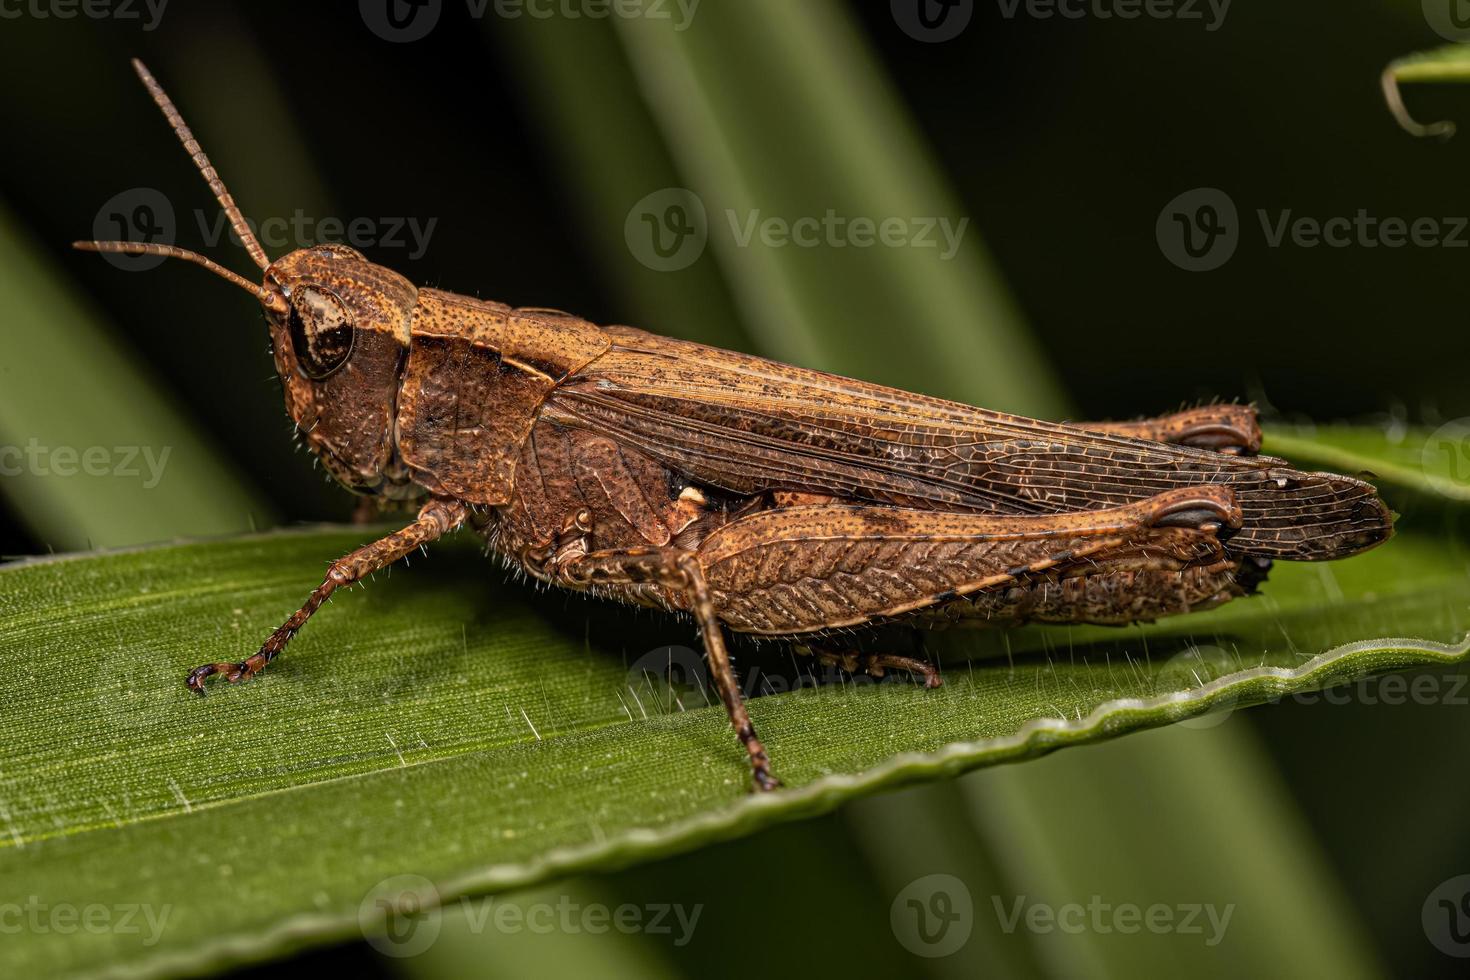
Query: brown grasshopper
point(749, 494)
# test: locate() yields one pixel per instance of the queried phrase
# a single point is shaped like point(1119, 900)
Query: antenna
point(211, 176)
point(270, 298)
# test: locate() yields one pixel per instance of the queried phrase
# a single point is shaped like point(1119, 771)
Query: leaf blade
point(530, 759)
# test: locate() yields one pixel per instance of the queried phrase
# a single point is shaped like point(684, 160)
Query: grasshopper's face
point(339, 334)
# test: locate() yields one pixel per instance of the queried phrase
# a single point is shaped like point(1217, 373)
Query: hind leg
point(1231, 429)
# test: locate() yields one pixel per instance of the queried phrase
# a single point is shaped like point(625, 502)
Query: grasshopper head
point(339, 335)
point(339, 332)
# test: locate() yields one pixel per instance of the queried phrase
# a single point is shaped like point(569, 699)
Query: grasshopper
point(748, 494)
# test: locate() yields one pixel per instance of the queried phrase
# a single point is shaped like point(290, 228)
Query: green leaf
point(1434, 463)
point(1450, 63)
point(467, 731)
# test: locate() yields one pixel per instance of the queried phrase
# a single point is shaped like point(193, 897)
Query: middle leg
point(872, 664)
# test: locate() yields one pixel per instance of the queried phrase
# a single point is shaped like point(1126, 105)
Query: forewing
point(747, 425)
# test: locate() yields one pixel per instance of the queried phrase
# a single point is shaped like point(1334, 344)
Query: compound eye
point(321, 330)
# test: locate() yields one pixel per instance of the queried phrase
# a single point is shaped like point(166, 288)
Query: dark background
point(1064, 140)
